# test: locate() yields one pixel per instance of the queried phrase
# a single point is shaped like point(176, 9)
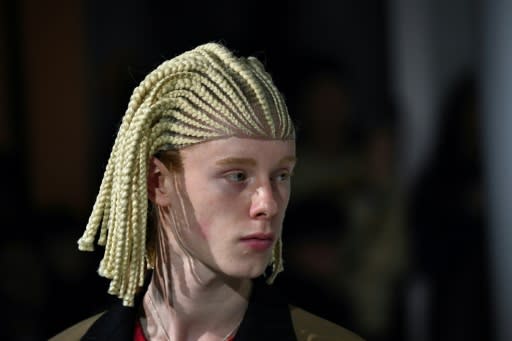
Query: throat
point(209, 313)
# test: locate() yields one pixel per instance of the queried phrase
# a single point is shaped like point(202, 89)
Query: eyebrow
point(251, 162)
point(286, 159)
point(236, 161)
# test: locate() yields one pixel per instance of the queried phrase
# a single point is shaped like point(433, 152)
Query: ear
point(159, 183)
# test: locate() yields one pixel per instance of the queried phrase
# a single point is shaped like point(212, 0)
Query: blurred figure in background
point(345, 225)
point(375, 249)
point(449, 221)
point(317, 217)
point(323, 103)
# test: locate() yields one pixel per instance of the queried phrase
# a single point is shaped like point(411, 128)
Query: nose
point(263, 205)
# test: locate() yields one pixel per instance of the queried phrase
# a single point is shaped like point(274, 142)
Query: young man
point(208, 141)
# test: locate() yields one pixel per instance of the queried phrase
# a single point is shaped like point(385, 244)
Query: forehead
point(261, 150)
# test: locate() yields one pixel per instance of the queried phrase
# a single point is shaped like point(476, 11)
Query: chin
point(249, 272)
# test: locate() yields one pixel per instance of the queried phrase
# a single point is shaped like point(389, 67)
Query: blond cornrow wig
point(200, 95)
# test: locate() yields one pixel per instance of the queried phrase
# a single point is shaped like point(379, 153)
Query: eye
point(237, 176)
point(283, 176)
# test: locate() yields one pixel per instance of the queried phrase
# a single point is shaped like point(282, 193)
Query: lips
point(258, 241)
point(259, 236)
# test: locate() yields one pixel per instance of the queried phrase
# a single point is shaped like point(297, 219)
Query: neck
point(187, 301)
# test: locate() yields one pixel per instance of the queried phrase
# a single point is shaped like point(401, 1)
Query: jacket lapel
point(267, 316)
point(117, 324)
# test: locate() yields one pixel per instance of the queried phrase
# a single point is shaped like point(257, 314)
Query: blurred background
point(399, 223)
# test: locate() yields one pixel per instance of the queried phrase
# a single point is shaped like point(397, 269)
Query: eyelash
point(235, 176)
point(284, 176)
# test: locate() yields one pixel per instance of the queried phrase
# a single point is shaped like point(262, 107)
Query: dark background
point(387, 229)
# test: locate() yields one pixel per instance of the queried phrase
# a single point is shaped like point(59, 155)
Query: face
point(235, 193)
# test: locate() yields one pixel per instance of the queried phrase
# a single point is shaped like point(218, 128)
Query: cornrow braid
point(203, 94)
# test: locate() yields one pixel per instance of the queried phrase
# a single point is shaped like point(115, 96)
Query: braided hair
point(203, 94)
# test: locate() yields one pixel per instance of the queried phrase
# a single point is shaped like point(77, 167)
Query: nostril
point(263, 203)
point(261, 214)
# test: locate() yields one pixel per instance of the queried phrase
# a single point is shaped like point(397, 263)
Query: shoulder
point(310, 327)
point(76, 331)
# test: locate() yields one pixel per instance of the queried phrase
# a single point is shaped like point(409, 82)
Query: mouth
point(258, 241)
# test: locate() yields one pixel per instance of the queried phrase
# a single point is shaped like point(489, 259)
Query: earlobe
point(158, 185)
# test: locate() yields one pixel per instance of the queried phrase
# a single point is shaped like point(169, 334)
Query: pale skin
point(219, 219)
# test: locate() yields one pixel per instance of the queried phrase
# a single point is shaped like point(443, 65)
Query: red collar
point(138, 335)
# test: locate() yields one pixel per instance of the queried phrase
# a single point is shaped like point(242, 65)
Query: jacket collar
point(267, 318)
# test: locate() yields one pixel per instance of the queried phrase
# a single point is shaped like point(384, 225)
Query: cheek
point(284, 205)
point(204, 223)
point(209, 214)
point(284, 195)
point(203, 230)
